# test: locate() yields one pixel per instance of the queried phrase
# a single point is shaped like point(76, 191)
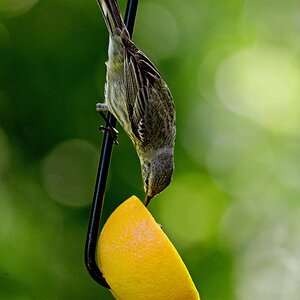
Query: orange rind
point(138, 260)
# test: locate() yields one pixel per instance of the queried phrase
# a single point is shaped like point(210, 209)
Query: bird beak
point(147, 199)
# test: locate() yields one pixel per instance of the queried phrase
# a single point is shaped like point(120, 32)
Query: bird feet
point(101, 107)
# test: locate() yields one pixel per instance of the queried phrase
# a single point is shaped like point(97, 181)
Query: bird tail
point(111, 13)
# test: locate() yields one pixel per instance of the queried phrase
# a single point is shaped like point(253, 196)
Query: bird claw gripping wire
point(109, 128)
point(113, 132)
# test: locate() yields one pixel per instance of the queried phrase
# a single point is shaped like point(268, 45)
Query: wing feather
point(149, 101)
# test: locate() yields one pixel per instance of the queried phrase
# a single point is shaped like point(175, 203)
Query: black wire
point(130, 13)
point(98, 199)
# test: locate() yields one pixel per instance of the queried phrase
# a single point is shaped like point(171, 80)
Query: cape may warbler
point(139, 98)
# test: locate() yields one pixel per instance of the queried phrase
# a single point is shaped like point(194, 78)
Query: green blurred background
point(232, 209)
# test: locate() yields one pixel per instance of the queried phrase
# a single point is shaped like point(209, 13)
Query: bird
point(140, 100)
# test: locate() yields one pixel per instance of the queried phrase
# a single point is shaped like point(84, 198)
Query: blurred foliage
point(233, 208)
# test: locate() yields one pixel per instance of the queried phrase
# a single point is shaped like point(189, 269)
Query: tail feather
point(111, 13)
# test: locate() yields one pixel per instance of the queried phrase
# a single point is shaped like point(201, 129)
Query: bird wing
point(149, 101)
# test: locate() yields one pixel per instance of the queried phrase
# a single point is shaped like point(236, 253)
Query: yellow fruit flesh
point(137, 259)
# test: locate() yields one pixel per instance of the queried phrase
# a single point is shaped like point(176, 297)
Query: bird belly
point(115, 96)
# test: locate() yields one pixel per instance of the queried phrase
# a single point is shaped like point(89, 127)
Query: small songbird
point(139, 98)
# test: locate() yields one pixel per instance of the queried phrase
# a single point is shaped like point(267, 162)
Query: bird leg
point(101, 107)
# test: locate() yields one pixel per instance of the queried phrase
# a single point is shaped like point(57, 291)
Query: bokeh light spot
point(157, 30)
point(236, 151)
point(69, 172)
point(263, 234)
point(16, 7)
point(268, 273)
point(191, 208)
point(262, 83)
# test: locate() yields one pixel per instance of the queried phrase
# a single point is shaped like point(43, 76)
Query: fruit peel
point(138, 260)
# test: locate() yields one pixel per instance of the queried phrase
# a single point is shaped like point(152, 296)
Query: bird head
point(157, 170)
